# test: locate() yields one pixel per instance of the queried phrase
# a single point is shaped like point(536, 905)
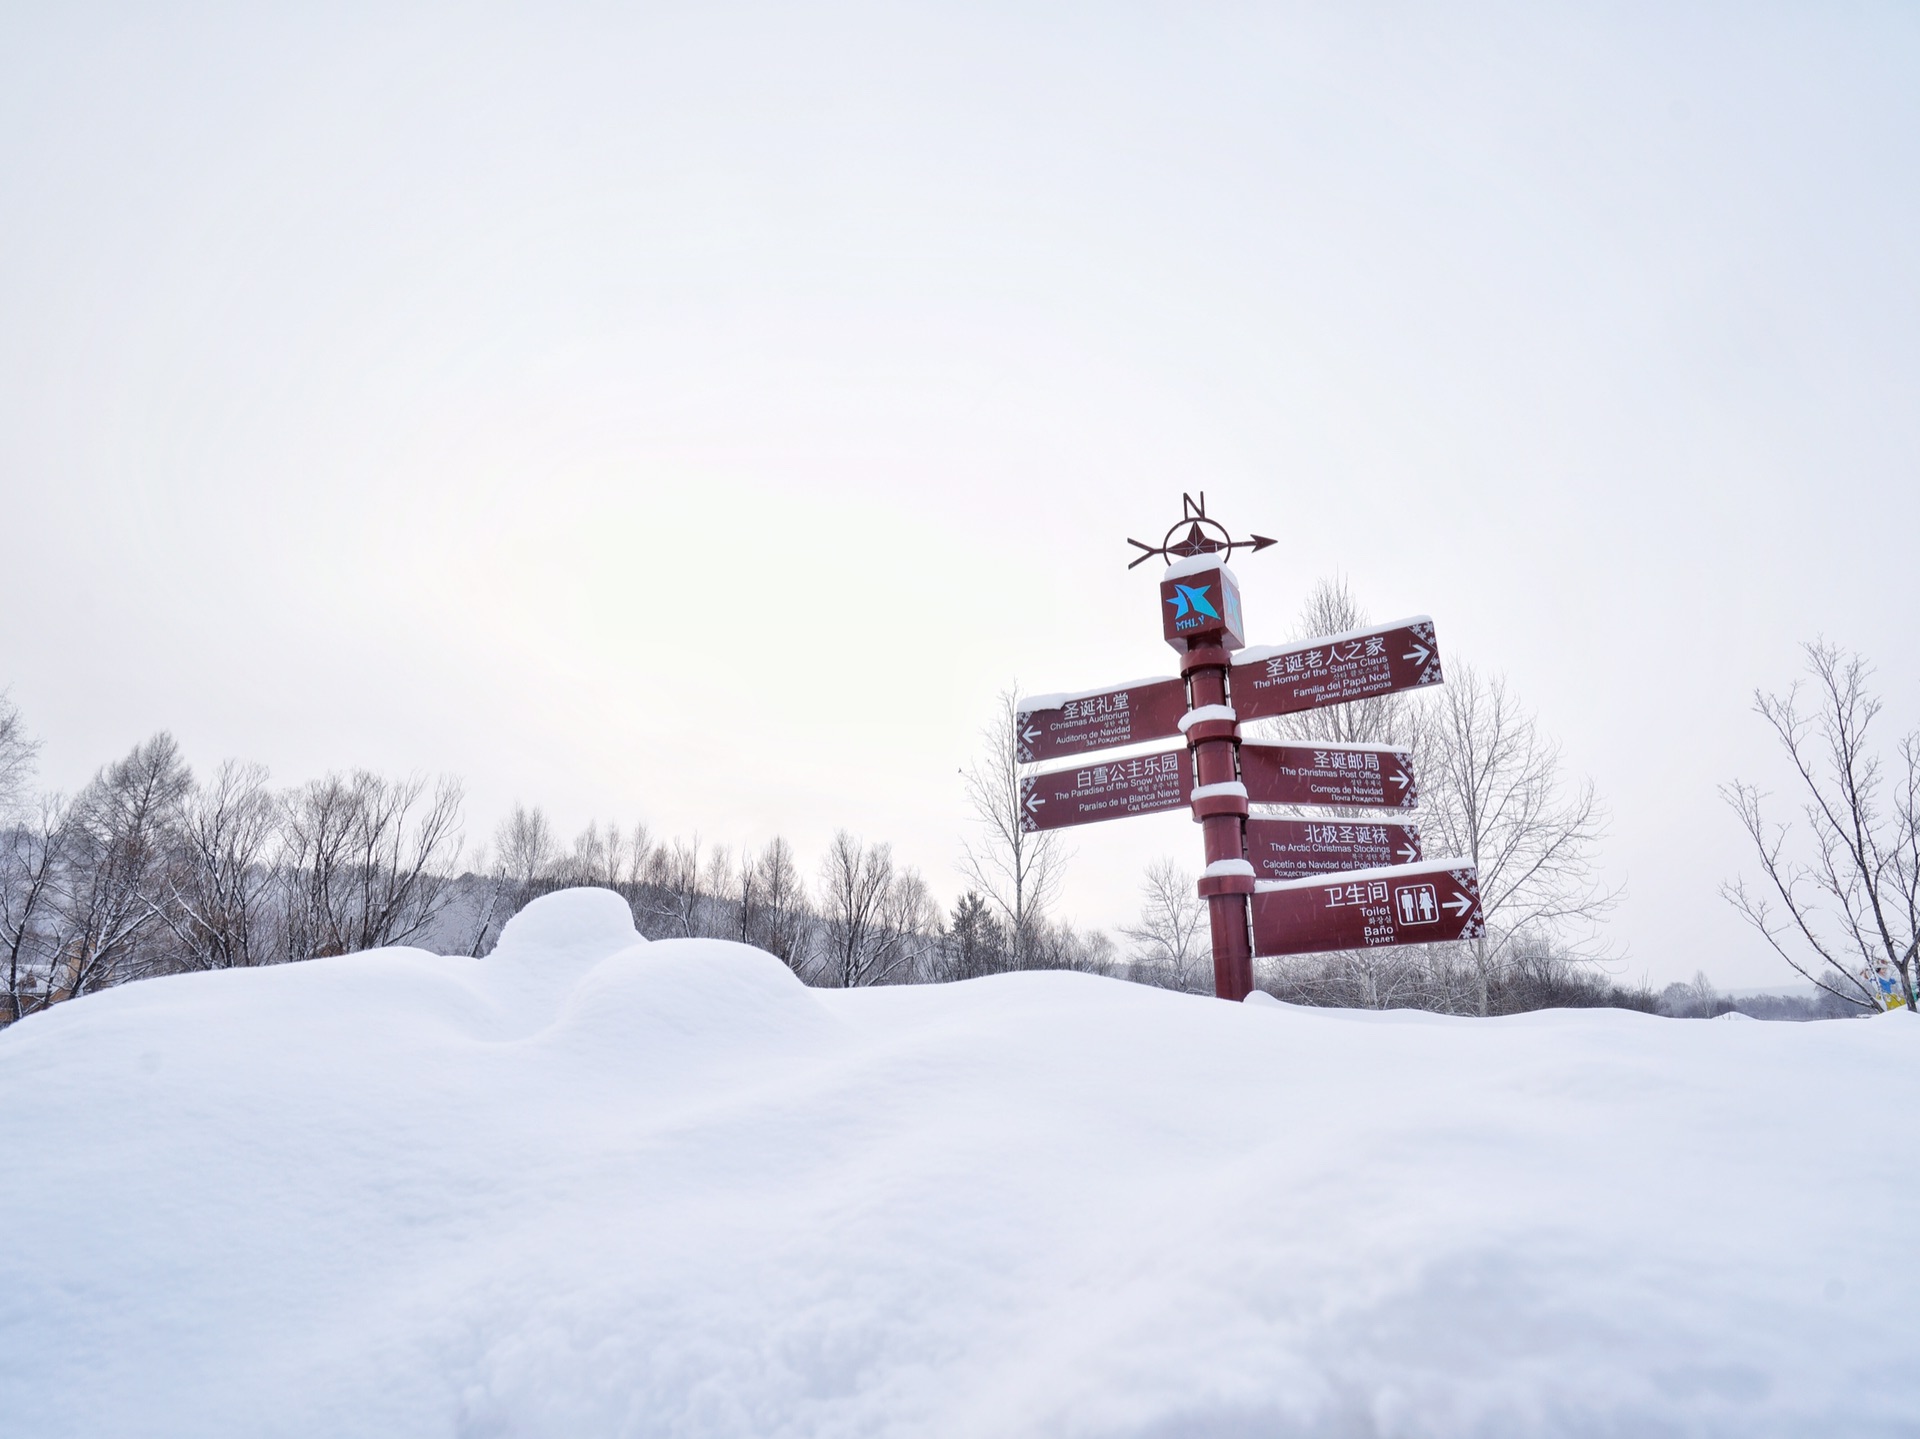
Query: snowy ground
point(591, 1186)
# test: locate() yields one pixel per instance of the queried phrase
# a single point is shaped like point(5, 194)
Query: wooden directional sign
point(1050, 726)
point(1145, 784)
point(1295, 848)
point(1358, 776)
point(1331, 671)
point(1405, 904)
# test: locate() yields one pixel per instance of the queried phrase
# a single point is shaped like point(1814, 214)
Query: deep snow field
point(591, 1186)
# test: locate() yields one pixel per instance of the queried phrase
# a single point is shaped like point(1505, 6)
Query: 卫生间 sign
point(1407, 904)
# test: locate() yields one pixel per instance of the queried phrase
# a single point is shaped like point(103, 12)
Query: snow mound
point(591, 1185)
point(568, 924)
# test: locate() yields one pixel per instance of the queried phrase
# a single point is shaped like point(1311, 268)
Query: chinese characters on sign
point(1292, 848)
point(1145, 784)
point(1106, 719)
point(1413, 904)
point(1359, 776)
point(1381, 661)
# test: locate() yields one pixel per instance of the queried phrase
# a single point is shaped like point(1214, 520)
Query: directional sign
point(1145, 784)
point(1293, 848)
point(1359, 776)
point(1331, 671)
point(1405, 904)
point(1053, 725)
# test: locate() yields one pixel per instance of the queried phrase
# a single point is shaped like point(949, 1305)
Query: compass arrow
point(1459, 904)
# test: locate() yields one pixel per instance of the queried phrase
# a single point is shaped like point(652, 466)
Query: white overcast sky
point(696, 413)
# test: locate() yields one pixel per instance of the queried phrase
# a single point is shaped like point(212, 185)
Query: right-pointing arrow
point(1420, 653)
point(1399, 777)
point(1459, 904)
point(1408, 853)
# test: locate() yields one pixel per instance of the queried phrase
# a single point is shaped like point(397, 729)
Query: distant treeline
point(149, 870)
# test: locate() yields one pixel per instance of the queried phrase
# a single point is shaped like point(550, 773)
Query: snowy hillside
point(592, 1186)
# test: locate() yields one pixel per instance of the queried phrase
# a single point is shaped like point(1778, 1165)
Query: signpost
point(1145, 784)
point(1406, 904)
point(1054, 725)
point(1293, 848)
point(1349, 776)
point(1335, 883)
point(1356, 666)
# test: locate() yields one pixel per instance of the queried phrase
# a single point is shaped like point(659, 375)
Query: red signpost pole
point(1222, 817)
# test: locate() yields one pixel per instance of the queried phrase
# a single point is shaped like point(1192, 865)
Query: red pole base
point(1232, 956)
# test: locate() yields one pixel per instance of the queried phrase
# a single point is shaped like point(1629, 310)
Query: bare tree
point(608, 859)
point(774, 905)
point(521, 863)
point(31, 858)
point(1694, 999)
point(1849, 889)
point(367, 861)
point(1331, 609)
point(855, 881)
point(16, 757)
point(675, 903)
point(111, 886)
point(221, 875)
point(1017, 869)
point(1492, 791)
point(908, 929)
point(1172, 941)
point(1061, 946)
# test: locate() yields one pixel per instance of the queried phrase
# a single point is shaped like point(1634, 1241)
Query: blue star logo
point(1191, 599)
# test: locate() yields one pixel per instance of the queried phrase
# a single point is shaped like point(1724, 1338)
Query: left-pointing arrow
point(1030, 733)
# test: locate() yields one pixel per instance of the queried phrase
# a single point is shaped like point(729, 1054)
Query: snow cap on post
point(1200, 600)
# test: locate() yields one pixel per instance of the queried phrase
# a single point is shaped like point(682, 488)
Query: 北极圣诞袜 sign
point(1293, 848)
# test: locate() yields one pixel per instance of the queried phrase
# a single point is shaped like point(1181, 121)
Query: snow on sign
point(1364, 776)
point(1053, 725)
point(1404, 904)
point(1353, 666)
point(1145, 784)
point(1293, 848)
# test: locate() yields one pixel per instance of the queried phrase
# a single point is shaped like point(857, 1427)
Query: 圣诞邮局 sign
point(1110, 789)
point(1050, 726)
point(1403, 904)
point(1355, 666)
point(1355, 776)
point(1294, 848)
